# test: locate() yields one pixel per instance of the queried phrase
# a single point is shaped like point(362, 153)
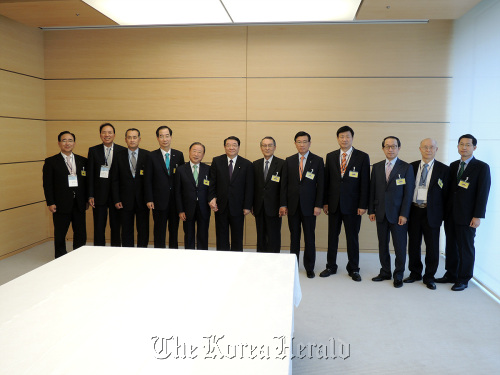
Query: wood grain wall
point(210, 82)
point(23, 216)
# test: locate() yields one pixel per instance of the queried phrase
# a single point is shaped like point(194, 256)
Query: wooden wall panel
point(347, 99)
point(147, 99)
point(147, 53)
point(21, 96)
point(23, 140)
point(20, 184)
point(22, 227)
point(22, 48)
point(400, 50)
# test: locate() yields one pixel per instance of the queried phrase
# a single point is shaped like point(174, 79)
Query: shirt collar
point(306, 155)
point(393, 161)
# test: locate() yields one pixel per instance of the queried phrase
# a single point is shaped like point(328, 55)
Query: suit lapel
point(236, 167)
point(162, 159)
point(271, 170)
point(352, 160)
point(336, 163)
point(395, 171)
point(469, 170)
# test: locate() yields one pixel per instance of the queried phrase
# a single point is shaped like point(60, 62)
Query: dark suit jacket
point(125, 188)
point(464, 204)
point(436, 195)
point(187, 194)
point(158, 181)
point(97, 187)
point(236, 194)
point(56, 187)
point(387, 198)
point(267, 193)
point(351, 192)
point(309, 192)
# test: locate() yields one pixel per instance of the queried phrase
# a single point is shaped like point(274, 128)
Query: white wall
point(475, 108)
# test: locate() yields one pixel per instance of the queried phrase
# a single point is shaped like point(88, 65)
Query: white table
point(104, 310)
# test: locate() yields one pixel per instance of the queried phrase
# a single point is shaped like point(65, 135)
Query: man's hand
point(213, 205)
point(150, 205)
point(325, 209)
point(317, 211)
point(475, 222)
point(52, 208)
point(92, 202)
point(361, 211)
point(402, 220)
point(182, 216)
point(246, 212)
point(372, 217)
point(283, 211)
point(119, 205)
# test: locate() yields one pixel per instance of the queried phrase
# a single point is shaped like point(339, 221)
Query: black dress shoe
point(398, 283)
point(327, 272)
point(355, 276)
point(443, 280)
point(458, 287)
point(411, 279)
point(431, 285)
point(381, 278)
point(310, 274)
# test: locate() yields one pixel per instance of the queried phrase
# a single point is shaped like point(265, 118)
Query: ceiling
point(76, 13)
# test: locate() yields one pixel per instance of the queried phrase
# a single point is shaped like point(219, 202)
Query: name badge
point(310, 175)
point(440, 183)
point(141, 172)
point(104, 171)
point(206, 182)
point(72, 181)
point(353, 174)
point(422, 194)
point(84, 173)
point(275, 178)
point(174, 170)
point(463, 184)
point(401, 181)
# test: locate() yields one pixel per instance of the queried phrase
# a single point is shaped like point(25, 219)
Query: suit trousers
point(418, 226)
point(160, 218)
point(460, 251)
point(309, 227)
point(224, 222)
point(142, 224)
point(173, 224)
point(399, 241)
point(61, 226)
point(196, 229)
point(100, 214)
point(352, 225)
point(268, 232)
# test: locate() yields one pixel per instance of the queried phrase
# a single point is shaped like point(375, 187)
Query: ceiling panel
point(53, 13)
point(414, 9)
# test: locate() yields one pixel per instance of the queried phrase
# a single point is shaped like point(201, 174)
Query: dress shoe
point(381, 278)
point(327, 272)
point(457, 287)
point(355, 276)
point(310, 274)
point(430, 285)
point(443, 280)
point(411, 279)
point(398, 283)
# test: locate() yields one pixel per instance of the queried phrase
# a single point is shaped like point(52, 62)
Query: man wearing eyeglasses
point(268, 179)
point(391, 190)
point(65, 189)
point(304, 198)
point(426, 214)
point(470, 181)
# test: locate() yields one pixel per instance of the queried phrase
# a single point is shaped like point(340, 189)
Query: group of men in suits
point(408, 201)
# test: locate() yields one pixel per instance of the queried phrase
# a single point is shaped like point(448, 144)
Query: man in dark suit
point(470, 182)
point(347, 186)
point(160, 189)
point(230, 194)
point(304, 198)
point(127, 186)
point(391, 191)
point(426, 214)
point(100, 161)
point(191, 193)
point(64, 186)
point(268, 177)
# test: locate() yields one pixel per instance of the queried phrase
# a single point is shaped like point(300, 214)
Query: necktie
point(266, 169)
point(461, 171)
point(133, 163)
point(301, 167)
point(388, 169)
point(230, 169)
point(343, 164)
point(195, 174)
point(167, 162)
point(423, 176)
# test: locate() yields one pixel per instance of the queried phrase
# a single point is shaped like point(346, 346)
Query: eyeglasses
point(302, 142)
point(267, 146)
point(392, 147)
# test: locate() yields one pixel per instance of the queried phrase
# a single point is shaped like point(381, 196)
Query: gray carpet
point(372, 328)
